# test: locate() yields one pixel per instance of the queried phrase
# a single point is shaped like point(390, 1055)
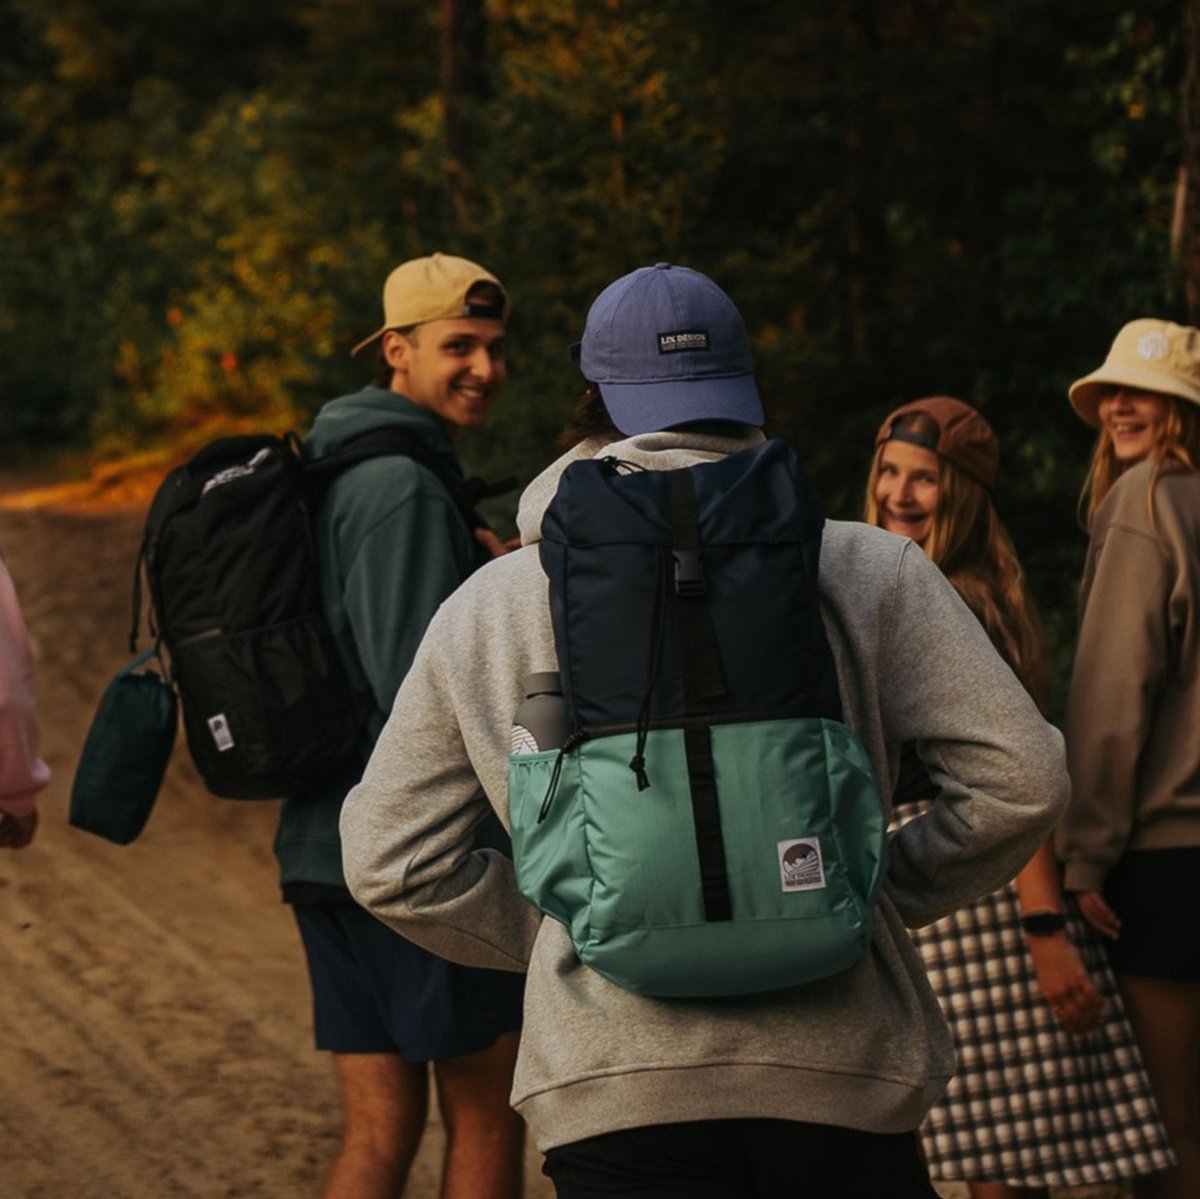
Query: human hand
point(17, 831)
point(1094, 909)
point(494, 545)
point(1065, 983)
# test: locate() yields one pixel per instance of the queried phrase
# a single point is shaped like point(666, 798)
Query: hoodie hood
point(672, 449)
point(370, 409)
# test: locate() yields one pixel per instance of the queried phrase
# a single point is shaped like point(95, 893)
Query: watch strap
point(1043, 924)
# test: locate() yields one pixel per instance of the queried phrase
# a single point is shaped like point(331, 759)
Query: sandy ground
point(154, 1001)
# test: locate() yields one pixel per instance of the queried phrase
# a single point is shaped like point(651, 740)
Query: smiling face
point(455, 368)
point(906, 489)
point(1134, 421)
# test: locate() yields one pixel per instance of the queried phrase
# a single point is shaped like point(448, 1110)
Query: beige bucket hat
point(1149, 355)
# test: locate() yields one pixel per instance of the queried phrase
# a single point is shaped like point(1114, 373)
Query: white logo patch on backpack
point(800, 865)
point(221, 734)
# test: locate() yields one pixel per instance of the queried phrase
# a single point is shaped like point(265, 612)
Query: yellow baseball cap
point(1148, 355)
point(434, 288)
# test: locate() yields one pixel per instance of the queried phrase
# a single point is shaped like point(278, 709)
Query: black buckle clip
point(689, 573)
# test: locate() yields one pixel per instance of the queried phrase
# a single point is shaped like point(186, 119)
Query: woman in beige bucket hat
point(1049, 1090)
point(1130, 841)
point(1144, 401)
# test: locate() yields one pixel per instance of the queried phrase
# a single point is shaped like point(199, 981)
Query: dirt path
point(155, 1005)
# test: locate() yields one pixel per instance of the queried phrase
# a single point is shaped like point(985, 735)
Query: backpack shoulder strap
point(395, 441)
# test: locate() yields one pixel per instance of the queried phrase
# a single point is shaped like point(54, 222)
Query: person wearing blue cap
point(818, 1087)
point(666, 341)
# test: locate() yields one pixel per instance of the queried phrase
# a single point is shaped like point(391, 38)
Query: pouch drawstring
point(569, 744)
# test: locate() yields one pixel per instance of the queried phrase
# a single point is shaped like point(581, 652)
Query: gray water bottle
point(540, 722)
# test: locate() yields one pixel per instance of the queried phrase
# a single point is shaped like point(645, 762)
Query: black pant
point(740, 1159)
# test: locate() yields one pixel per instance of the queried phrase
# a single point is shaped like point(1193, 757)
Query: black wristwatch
point(1043, 924)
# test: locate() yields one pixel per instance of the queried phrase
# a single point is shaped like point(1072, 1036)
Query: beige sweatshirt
point(1133, 716)
point(866, 1049)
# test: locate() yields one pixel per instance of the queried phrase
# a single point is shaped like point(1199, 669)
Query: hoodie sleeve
point(999, 764)
point(22, 772)
point(1122, 659)
point(439, 767)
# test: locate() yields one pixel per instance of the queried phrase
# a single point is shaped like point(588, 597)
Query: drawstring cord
point(569, 744)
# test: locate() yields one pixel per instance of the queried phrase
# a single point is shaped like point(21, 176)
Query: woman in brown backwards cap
point(1048, 1069)
point(1130, 840)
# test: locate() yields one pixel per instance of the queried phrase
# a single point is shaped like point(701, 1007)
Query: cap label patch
point(684, 339)
point(1152, 346)
point(800, 865)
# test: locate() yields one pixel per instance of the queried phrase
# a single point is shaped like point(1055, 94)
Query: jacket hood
point(370, 409)
point(669, 450)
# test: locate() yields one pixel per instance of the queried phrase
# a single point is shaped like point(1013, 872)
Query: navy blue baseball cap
point(666, 345)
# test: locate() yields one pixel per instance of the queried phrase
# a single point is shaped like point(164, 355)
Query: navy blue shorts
point(740, 1159)
point(375, 992)
point(1156, 892)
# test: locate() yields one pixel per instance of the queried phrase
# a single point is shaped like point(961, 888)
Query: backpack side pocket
point(546, 825)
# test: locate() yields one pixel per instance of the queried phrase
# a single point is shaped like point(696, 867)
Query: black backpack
point(230, 562)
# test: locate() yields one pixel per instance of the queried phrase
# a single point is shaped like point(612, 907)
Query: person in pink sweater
point(22, 772)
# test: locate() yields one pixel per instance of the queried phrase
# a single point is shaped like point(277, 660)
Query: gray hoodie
point(866, 1049)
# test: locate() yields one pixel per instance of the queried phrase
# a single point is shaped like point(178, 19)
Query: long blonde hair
point(968, 542)
point(1176, 447)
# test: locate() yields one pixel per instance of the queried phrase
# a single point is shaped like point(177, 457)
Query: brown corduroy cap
point(964, 437)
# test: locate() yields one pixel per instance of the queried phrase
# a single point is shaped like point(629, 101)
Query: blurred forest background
point(199, 201)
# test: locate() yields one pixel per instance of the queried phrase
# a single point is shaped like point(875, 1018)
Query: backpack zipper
point(579, 736)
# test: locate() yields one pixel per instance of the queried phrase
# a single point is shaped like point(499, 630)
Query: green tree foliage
point(905, 199)
point(199, 200)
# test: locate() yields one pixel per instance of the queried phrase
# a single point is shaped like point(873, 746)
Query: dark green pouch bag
point(125, 754)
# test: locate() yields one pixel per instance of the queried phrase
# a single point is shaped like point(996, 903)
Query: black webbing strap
point(706, 812)
point(702, 682)
point(658, 616)
point(135, 605)
point(393, 440)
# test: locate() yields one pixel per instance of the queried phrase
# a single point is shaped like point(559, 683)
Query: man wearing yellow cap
point(392, 544)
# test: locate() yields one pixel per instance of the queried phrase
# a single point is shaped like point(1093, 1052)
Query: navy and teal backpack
point(711, 826)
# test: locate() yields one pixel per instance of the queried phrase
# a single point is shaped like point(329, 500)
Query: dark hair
point(383, 369)
point(589, 419)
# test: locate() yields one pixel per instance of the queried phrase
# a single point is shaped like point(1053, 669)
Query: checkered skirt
point(1031, 1105)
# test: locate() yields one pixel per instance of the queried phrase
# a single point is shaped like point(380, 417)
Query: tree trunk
point(1185, 231)
point(866, 236)
point(464, 88)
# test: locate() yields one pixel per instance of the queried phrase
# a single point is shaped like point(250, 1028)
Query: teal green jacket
point(391, 546)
